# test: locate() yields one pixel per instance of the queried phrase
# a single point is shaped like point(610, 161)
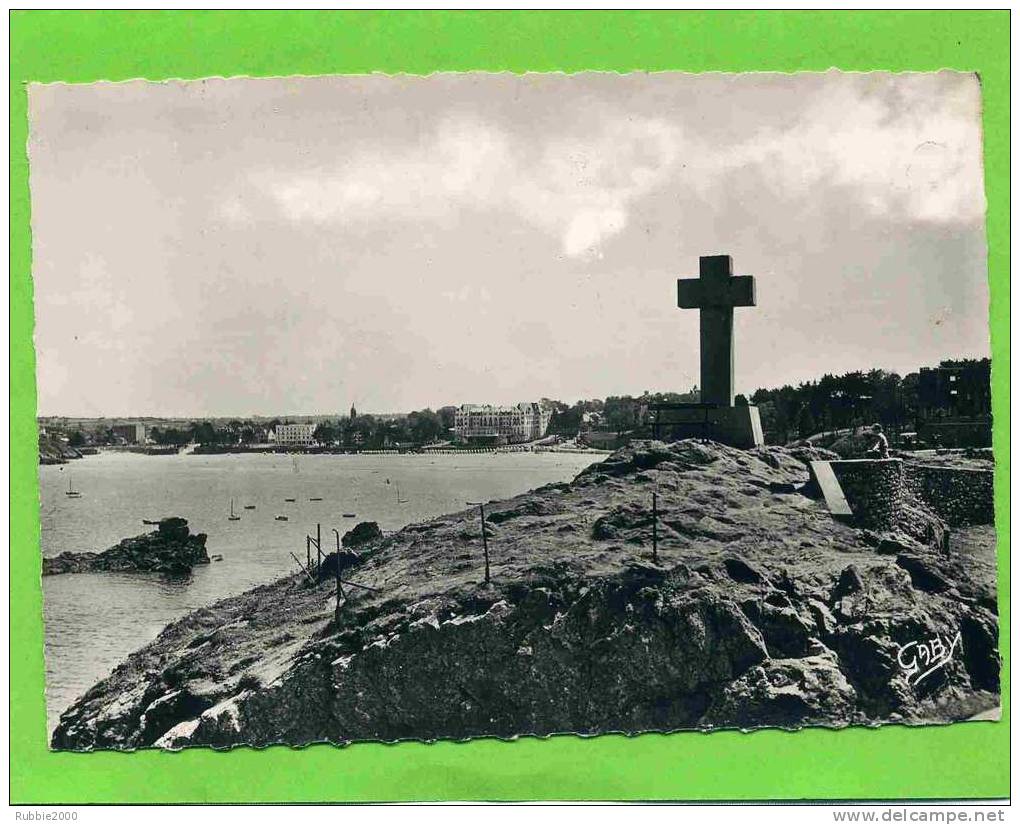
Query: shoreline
point(271, 450)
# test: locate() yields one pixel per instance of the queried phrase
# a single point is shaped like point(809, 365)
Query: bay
point(93, 621)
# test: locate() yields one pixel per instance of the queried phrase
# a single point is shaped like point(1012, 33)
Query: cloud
point(906, 147)
point(234, 210)
point(901, 147)
point(578, 188)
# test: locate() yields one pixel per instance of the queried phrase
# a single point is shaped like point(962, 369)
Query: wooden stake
point(339, 584)
point(485, 538)
point(363, 587)
point(655, 528)
point(303, 568)
point(485, 543)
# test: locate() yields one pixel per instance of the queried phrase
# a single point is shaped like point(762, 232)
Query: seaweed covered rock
point(171, 548)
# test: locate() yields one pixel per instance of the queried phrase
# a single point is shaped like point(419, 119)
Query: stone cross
point(715, 293)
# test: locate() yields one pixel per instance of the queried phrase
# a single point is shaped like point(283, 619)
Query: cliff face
point(761, 610)
point(171, 548)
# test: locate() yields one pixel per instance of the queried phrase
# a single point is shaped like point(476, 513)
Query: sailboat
point(71, 492)
point(232, 516)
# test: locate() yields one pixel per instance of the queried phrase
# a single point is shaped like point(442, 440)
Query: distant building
point(954, 403)
point(960, 388)
point(133, 433)
point(501, 425)
point(294, 434)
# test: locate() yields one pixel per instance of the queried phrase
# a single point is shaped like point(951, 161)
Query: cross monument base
point(735, 426)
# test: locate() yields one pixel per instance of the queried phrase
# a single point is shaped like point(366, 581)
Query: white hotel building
point(501, 425)
point(294, 434)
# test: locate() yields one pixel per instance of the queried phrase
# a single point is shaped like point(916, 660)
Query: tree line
point(364, 431)
point(842, 401)
point(832, 402)
point(617, 413)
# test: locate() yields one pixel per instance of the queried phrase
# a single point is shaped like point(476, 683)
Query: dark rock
point(809, 454)
point(786, 693)
point(785, 633)
point(890, 546)
point(979, 634)
point(173, 528)
point(620, 519)
point(752, 609)
point(870, 537)
point(532, 507)
point(172, 548)
point(777, 598)
point(825, 622)
point(362, 533)
point(167, 711)
point(850, 581)
point(740, 571)
point(345, 560)
point(868, 654)
point(636, 457)
point(922, 575)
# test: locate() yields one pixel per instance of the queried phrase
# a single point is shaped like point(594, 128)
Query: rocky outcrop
point(171, 548)
point(362, 533)
point(760, 611)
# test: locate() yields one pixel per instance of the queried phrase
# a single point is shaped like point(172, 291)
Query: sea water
point(94, 620)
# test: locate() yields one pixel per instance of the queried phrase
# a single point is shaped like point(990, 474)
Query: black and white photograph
point(391, 407)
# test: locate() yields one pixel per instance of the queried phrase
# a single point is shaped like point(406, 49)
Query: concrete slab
point(823, 475)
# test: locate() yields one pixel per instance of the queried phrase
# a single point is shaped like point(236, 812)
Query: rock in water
point(761, 611)
point(171, 548)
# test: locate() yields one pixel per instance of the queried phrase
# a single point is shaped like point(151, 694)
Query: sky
point(297, 245)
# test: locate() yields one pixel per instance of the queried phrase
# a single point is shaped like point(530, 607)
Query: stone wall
point(887, 494)
point(960, 496)
point(874, 490)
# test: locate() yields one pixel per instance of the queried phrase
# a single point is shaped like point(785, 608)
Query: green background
point(963, 760)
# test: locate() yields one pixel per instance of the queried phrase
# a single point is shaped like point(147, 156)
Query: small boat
point(282, 518)
point(232, 516)
point(149, 521)
point(290, 499)
point(71, 492)
point(315, 499)
point(249, 506)
point(350, 515)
